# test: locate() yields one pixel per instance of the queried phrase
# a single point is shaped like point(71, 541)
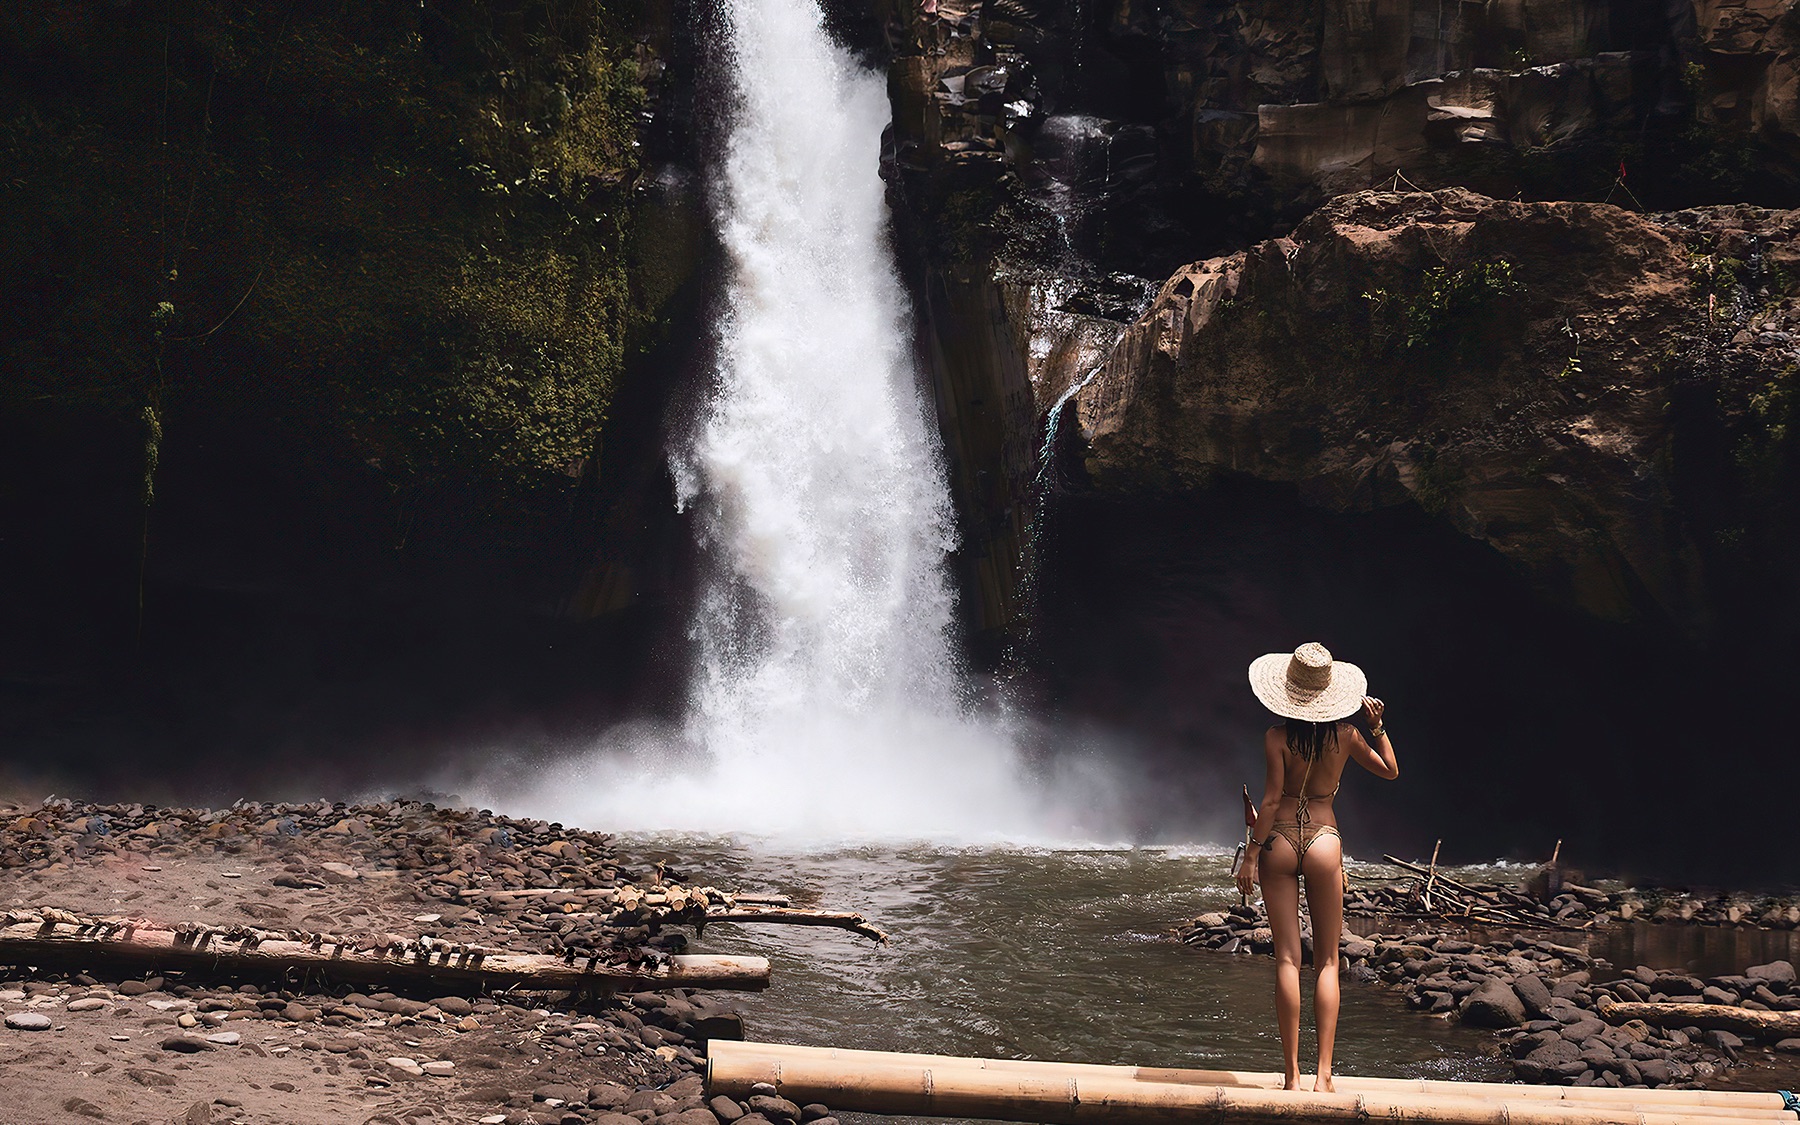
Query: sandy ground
point(172, 1049)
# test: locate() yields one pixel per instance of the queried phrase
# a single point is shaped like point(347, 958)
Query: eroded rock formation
point(1527, 370)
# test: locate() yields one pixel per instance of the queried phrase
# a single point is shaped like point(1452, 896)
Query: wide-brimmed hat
point(1307, 684)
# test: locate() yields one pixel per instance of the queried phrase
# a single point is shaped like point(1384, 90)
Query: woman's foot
point(1293, 1081)
point(1323, 1085)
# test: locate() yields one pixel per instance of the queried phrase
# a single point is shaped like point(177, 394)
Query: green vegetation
point(405, 228)
point(1445, 304)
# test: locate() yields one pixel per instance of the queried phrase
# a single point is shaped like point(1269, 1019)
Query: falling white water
point(827, 700)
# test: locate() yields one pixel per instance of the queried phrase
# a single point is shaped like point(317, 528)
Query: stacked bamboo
point(1082, 1094)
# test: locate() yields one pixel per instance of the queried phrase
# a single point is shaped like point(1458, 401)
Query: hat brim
point(1340, 698)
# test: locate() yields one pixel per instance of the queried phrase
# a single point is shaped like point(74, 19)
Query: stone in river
point(1494, 1004)
point(1713, 994)
point(1724, 1041)
point(1778, 975)
point(727, 1110)
point(1582, 1030)
point(1534, 993)
point(1790, 1045)
point(1554, 1059)
point(28, 1021)
point(812, 1111)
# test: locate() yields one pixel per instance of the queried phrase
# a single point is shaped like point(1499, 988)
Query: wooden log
point(119, 946)
point(734, 1067)
point(843, 920)
point(1722, 1017)
point(610, 894)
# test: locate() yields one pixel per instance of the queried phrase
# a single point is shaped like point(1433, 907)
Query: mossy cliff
point(313, 319)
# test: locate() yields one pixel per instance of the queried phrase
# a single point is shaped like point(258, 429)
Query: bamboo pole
point(811, 1072)
point(843, 920)
point(1723, 1017)
point(133, 946)
point(612, 894)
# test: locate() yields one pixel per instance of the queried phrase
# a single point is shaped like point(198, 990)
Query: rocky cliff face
point(1536, 374)
point(1055, 164)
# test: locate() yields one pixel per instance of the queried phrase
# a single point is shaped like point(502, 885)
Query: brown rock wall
point(1510, 366)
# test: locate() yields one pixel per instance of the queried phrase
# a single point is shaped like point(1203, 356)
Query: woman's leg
point(1281, 896)
point(1325, 904)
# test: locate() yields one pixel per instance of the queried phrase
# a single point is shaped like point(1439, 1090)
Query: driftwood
point(1073, 1094)
point(648, 896)
point(688, 906)
point(1722, 1017)
point(842, 920)
point(1453, 900)
point(130, 946)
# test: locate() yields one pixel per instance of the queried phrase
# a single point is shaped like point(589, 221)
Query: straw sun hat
point(1307, 684)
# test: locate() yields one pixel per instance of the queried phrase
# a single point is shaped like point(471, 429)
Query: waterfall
point(826, 697)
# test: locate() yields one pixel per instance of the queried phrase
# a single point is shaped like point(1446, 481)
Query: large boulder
point(1494, 1004)
point(1523, 370)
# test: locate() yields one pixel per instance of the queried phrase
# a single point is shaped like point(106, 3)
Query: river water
point(1062, 954)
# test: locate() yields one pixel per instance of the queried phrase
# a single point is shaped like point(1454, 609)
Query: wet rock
point(1778, 975)
point(1713, 994)
point(1559, 1058)
point(1655, 1072)
point(1791, 1046)
point(1494, 1004)
point(1583, 1030)
point(1534, 994)
point(728, 1110)
point(1724, 1041)
point(687, 1117)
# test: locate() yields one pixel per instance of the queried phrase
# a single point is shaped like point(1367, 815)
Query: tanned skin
point(1279, 870)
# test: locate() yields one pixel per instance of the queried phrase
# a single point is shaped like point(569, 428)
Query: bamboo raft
point(1083, 1094)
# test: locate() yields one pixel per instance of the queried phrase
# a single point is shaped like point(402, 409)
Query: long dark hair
point(1309, 740)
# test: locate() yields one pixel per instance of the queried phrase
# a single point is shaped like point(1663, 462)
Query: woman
point(1297, 832)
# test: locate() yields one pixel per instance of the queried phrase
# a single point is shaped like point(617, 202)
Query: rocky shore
point(1547, 997)
point(90, 1045)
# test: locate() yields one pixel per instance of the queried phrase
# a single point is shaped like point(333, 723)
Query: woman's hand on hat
point(1372, 709)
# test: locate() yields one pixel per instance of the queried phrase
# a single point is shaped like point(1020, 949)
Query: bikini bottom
point(1299, 836)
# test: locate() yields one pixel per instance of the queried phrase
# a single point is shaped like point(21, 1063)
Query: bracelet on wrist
point(1379, 730)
